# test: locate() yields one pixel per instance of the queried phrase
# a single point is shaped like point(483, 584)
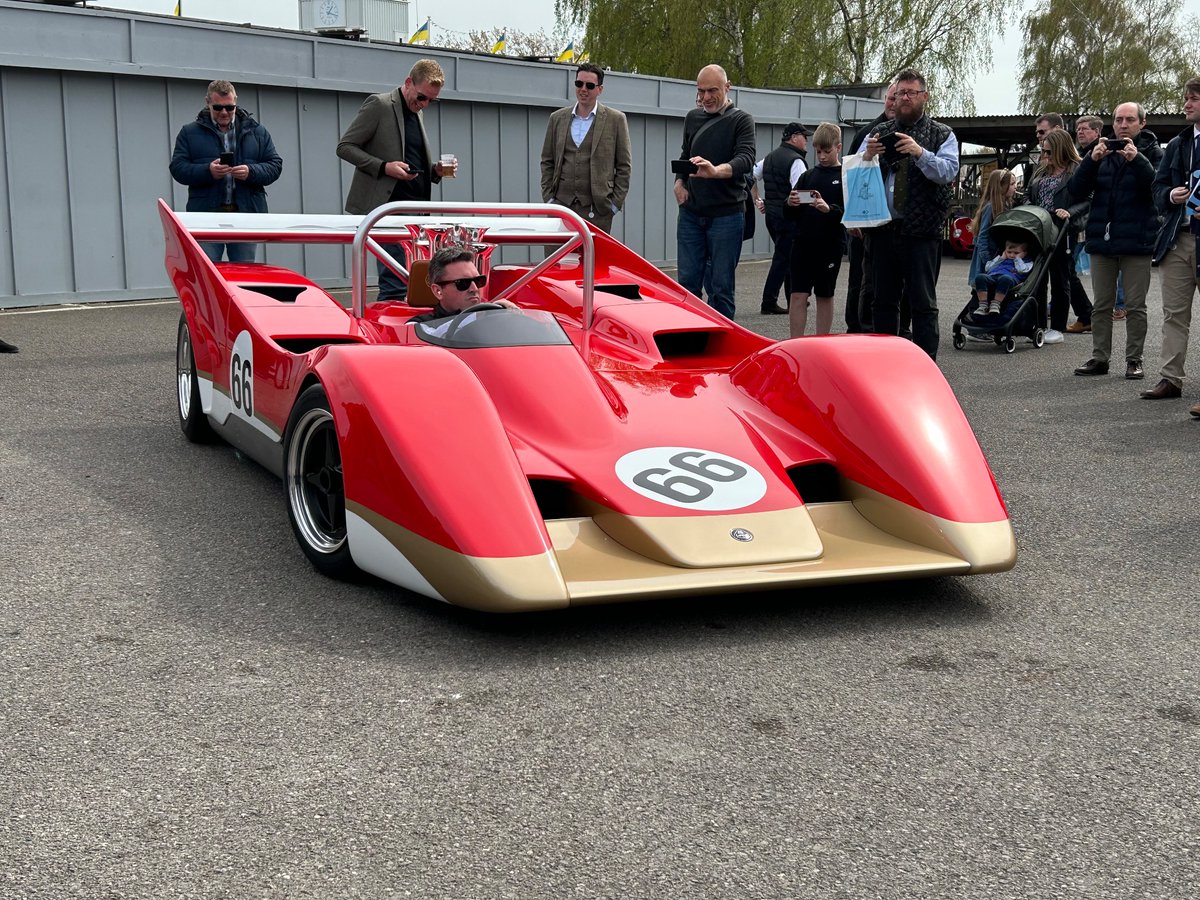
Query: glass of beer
point(449, 165)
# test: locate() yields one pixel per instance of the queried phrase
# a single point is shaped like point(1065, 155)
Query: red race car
point(612, 438)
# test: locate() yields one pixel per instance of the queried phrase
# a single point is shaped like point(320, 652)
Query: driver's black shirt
point(438, 313)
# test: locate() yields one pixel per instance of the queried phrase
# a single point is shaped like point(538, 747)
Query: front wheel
point(1009, 345)
point(316, 494)
point(192, 421)
point(960, 340)
point(1039, 337)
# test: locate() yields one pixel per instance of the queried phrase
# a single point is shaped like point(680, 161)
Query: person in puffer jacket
point(1122, 224)
point(226, 159)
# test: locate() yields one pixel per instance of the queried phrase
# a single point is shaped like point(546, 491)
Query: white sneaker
point(1050, 336)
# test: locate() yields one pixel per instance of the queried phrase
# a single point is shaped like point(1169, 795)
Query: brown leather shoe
point(1078, 327)
point(1164, 390)
point(1134, 370)
point(1195, 411)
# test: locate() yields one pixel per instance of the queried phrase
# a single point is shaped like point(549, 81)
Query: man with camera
point(710, 188)
point(919, 158)
point(226, 159)
point(1122, 224)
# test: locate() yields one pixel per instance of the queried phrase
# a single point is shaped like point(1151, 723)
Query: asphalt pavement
point(190, 710)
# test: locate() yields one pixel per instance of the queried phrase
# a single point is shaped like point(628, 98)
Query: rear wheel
point(192, 420)
point(316, 495)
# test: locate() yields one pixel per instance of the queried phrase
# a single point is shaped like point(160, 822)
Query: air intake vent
point(817, 483)
point(675, 344)
point(284, 293)
point(556, 499)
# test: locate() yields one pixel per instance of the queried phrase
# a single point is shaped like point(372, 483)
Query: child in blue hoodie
point(1000, 276)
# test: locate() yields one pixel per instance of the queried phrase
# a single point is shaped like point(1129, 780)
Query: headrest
point(419, 293)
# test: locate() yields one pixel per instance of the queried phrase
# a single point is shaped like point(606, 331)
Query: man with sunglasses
point(226, 159)
point(455, 282)
point(586, 156)
point(389, 149)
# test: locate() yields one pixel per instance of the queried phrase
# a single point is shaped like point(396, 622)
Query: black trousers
point(903, 266)
point(780, 273)
point(860, 291)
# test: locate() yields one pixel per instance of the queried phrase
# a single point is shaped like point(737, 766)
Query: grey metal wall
point(91, 101)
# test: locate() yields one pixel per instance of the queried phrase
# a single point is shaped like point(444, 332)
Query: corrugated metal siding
point(90, 107)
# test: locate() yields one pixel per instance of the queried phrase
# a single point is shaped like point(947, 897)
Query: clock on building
point(329, 12)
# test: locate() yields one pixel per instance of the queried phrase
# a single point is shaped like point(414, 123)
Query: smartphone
point(890, 153)
point(684, 167)
point(227, 159)
point(806, 196)
point(1116, 143)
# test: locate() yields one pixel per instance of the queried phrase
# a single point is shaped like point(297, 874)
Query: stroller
point(1019, 315)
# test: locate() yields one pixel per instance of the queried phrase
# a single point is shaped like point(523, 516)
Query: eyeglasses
point(586, 85)
point(421, 98)
point(225, 107)
point(1042, 132)
point(461, 284)
point(908, 95)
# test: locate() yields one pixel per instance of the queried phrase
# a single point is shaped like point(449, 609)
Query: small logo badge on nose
point(741, 534)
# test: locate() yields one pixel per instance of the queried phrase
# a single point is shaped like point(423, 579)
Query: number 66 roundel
point(690, 478)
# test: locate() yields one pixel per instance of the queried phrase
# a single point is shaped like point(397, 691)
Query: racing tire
point(313, 486)
point(1009, 345)
point(192, 421)
point(960, 340)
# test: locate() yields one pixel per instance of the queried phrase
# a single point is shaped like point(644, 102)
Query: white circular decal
point(241, 376)
point(691, 478)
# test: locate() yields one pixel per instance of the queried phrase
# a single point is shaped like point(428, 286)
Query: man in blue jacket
point(226, 159)
point(1122, 224)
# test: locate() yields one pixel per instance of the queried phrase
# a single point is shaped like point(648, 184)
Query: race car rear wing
point(498, 224)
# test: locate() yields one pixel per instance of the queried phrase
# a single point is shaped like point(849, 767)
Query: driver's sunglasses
point(225, 107)
point(587, 85)
point(461, 284)
point(421, 98)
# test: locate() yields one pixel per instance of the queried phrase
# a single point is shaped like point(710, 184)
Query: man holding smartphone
point(226, 159)
point(1121, 228)
point(710, 188)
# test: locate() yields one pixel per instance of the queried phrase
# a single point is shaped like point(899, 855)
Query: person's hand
point(507, 304)
point(240, 173)
point(1062, 214)
point(874, 147)
point(1129, 151)
point(1100, 150)
point(704, 169)
point(793, 198)
point(1179, 195)
point(819, 203)
point(855, 232)
point(399, 170)
point(759, 204)
point(217, 170)
point(906, 145)
point(681, 193)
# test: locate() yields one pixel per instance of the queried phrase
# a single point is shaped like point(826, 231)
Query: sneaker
point(1052, 336)
point(994, 308)
point(1078, 327)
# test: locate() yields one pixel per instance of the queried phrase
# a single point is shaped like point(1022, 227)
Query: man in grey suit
point(586, 157)
point(389, 149)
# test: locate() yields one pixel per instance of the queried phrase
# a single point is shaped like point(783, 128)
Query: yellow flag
point(568, 53)
point(498, 47)
point(179, 8)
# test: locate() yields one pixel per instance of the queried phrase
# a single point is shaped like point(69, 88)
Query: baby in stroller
point(1000, 276)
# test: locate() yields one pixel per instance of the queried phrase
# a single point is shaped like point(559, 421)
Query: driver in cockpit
point(455, 282)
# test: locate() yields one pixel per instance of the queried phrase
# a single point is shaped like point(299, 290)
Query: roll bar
point(575, 235)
